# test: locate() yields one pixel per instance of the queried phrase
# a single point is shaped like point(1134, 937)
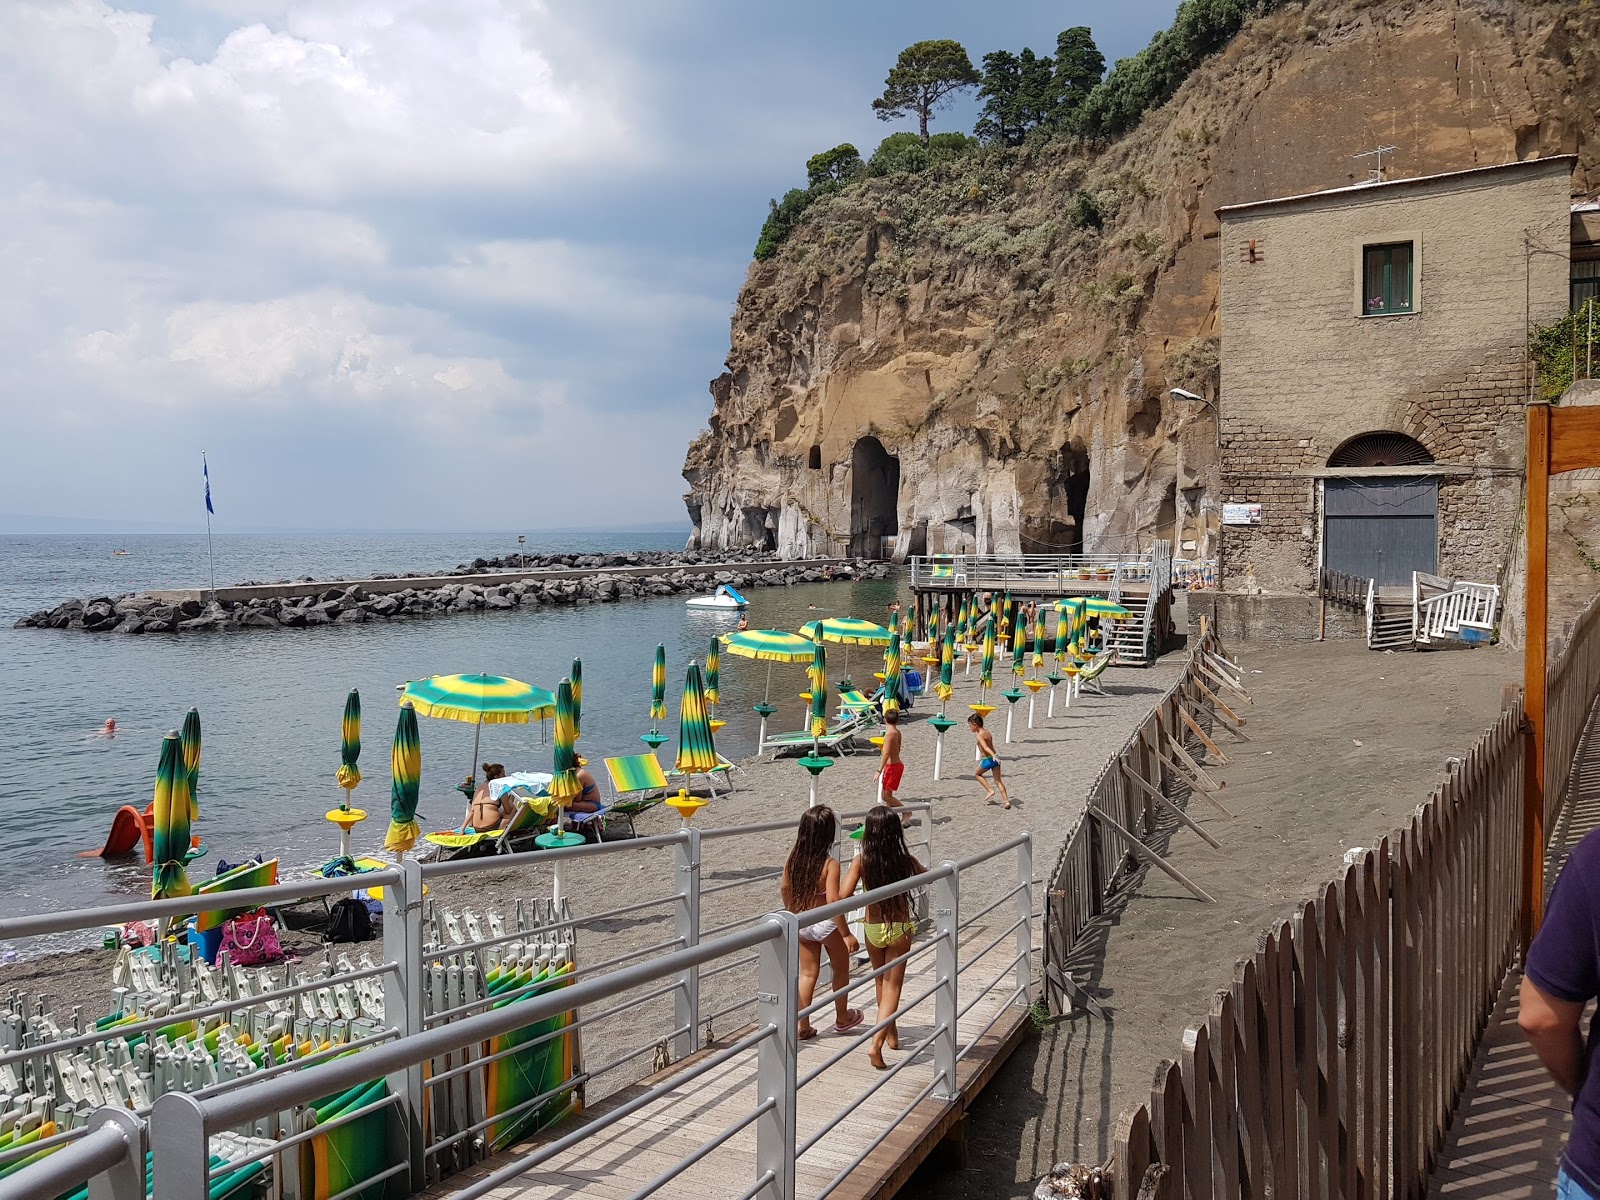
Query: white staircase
point(1453, 611)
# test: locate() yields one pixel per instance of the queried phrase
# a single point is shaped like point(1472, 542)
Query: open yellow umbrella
point(405, 789)
point(170, 836)
point(477, 700)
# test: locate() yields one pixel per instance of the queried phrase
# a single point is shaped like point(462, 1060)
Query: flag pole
point(211, 562)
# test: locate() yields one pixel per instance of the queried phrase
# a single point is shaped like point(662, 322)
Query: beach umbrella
point(947, 667)
point(1063, 633)
point(933, 629)
point(477, 700)
point(697, 751)
point(714, 672)
point(658, 689)
point(891, 675)
point(405, 788)
point(1019, 650)
point(1096, 607)
point(577, 697)
point(846, 632)
point(565, 787)
point(1038, 637)
point(189, 738)
point(1006, 613)
point(818, 673)
point(349, 774)
point(768, 646)
point(170, 835)
point(986, 673)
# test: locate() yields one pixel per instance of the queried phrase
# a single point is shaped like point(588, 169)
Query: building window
point(1386, 279)
point(1585, 283)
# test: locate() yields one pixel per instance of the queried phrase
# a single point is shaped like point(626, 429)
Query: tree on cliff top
point(1079, 67)
point(923, 80)
point(1018, 94)
point(839, 165)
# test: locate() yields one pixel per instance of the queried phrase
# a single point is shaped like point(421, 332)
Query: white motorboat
point(723, 597)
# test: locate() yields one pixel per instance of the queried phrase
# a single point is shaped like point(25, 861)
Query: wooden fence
point(1572, 680)
point(1123, 808)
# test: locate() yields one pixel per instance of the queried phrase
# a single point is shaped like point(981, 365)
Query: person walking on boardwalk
point(891, 769)
point(988, 761)
point(1561, 976)
point(810, 880)
point(884, 860)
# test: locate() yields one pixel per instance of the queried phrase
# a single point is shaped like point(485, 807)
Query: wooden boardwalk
point(869, 1154)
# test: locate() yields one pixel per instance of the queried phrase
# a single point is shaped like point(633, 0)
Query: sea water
point(270, 700)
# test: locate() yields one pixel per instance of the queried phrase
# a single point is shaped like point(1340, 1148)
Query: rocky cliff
point(978, 357)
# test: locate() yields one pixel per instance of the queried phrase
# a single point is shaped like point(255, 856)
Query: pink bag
point(251, 939)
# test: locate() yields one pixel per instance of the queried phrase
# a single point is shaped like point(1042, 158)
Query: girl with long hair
point(884, 860)
point(810, 880)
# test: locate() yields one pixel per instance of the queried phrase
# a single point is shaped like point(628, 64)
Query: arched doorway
point(874, 497)
point(1381, 527)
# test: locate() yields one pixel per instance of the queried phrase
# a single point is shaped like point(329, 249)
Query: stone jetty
point(483, 584)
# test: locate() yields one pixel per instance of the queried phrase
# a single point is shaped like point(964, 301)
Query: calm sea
point(270, 700)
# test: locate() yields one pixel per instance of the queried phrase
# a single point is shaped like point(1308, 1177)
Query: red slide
point(127, 833)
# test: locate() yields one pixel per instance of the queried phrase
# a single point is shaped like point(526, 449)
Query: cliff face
point(978, 358)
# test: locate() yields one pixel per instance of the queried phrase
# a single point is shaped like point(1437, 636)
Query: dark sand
point(1346, 743)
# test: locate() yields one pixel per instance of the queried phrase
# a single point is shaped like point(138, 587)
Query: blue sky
point(409, 263)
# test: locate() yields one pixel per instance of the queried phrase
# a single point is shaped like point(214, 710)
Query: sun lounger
point(529, 819)
point(1089, 672)
point(637, 784)
point(837, 738)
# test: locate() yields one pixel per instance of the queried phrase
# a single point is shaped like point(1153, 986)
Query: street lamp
point(1216, 415)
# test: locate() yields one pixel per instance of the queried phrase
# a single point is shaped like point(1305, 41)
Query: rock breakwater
point(484, 584)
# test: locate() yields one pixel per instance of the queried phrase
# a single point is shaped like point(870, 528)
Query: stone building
point(1374, 371)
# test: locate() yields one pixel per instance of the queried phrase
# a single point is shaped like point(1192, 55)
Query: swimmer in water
point(109, 729)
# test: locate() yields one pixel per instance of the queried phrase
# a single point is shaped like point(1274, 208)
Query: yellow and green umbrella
point(714, 672)
point(986, 673)
point(891, 675)
point(478, 700)
point(170, 836)
point(658, 689)
point(1063, 633)
point(189, 739)
point(577, 697)
point(846, 632)
point(947, 667)
point(1038, 637)
point(1096, 607)
point(697, 751)
point(933, 630)
point(1004, 631)
point(769, 646)
point(565, 787)
point(818, 674)
point(405, 788)
point(349, 774)
point(963, 624)
point(1019, 648)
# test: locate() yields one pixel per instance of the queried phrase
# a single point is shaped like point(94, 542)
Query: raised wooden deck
point(868, 1156)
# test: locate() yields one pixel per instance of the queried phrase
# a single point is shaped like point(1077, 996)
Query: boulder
point(351, 616)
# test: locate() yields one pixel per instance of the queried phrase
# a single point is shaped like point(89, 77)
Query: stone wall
point(1305, 369)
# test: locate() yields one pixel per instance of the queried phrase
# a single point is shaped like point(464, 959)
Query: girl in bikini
point(884, 860)
point(810, 880)
point(488, 813)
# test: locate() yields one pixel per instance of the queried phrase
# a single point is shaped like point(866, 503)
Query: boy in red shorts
point(893, 769)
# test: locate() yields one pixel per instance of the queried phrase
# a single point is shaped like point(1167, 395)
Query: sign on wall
point(1241, 514)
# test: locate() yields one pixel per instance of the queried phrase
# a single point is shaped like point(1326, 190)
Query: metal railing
point(402, 972)
point(1000, 571)
point(183, 1124)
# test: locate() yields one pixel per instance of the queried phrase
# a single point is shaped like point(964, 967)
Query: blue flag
point(206, 471)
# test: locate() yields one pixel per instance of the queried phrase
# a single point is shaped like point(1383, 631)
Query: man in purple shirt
point(1561, 976)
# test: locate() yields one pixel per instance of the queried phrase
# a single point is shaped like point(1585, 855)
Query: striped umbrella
point(577, 697)
point(1038, 637)
point(1019, 648)
point(697, 751)
point(891, 675)
point(350, 744)
point(769, 646)
point(714, 672)
point(947, 667)
point(1063, 634)
point(170, 836)
point(933, 630)
point(1096, 607)
point(818, 673)
point(986, 674)
point(658, 689)
point(405, 788)
point(963, 620)
point(190, 740)
point(565, 788)
point(478, 700)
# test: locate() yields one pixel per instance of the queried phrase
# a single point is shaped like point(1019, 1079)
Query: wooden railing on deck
point(1572, 682)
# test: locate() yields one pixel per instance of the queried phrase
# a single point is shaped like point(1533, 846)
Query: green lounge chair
point(1089, 672)
point(525, 823)
point(637, 784)
point(837, 738)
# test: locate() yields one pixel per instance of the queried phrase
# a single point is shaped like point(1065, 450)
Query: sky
point(412, 264)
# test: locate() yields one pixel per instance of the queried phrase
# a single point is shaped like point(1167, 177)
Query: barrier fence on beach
point(1333, 1064)
point(969, 984)
point(1126, 804)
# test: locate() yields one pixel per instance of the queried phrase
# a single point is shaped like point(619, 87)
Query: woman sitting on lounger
point(486, 812)
point(588, 800)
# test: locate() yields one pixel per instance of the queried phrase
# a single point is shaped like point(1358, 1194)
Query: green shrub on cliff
point(839, 165)
point(904, 153)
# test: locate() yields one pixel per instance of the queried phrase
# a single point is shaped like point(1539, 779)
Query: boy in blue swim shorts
point(988, 761)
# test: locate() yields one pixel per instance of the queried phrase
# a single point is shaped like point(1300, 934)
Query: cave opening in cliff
point(1057, 528)
point(874, 497)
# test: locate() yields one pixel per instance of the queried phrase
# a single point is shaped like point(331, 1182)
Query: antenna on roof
point(1375, 173)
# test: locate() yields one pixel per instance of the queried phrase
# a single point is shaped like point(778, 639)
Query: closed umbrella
point(986, 673)
point(565, 787)
point(577, 697)
point(349, 774)
point(1038, 637)
point(658, 690)
point(697, 751)
point(189, 738)
point(1019, 649)
point(170, 836)
point(1063, 635)
point(405, 788)
point(933, 631)
point(947, 668)
point(714, 672)
point(891, 675)
point(814, 763)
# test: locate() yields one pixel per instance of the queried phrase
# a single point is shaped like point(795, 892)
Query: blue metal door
point(1381, 529)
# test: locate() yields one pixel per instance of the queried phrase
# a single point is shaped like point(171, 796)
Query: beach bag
point(350, 922)
point(251, 939)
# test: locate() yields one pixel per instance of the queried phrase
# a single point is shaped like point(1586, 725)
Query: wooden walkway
point(1512, 1121)
point(889, 1140)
